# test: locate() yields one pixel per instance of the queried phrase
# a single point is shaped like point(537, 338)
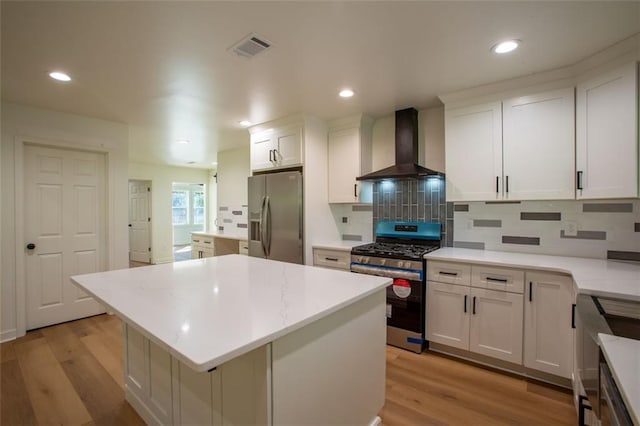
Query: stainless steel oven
point(608, 316)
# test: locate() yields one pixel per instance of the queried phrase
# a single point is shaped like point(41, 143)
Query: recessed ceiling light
point(506, 46)
point(60, 76)
point(346, 93)
point(184, 141)
point(245, 123)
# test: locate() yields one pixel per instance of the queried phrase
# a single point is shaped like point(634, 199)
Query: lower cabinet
point(487, 322)
point(201, 246)
point(548, 331)
point(335, 259)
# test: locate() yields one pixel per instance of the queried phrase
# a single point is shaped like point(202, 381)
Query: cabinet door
point(496, 324)
point(261, 151)
point(288, 147)
point(344, 165)
point(548, 336)
point(473, 152)
point(538, 146)
point(448, 314)
point(606, 135)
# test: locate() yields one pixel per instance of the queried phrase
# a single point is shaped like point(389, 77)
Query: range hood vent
point(250, 46)
point(406, 165)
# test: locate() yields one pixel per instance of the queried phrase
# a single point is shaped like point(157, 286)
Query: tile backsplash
point(606, 229)
point(232, 219)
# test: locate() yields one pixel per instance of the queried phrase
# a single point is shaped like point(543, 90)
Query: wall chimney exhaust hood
point(406, 165)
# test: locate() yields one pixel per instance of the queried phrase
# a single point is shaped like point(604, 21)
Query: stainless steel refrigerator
point(275, 216)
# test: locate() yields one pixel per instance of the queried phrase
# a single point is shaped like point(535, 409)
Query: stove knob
point(383, 261)
point(365, 260)
point(401, 264)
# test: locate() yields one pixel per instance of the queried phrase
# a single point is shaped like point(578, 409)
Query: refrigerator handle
point(267, 211)
point(262, 225)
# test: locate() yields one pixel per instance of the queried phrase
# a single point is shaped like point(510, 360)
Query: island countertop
point(208, 311)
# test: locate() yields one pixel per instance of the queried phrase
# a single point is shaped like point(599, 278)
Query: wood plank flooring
point(72, 373)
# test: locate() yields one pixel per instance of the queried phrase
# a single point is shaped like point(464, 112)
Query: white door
point(64, 198)
point(473, 152)
point(539, 146)
point(139, 221)
point(448, 314)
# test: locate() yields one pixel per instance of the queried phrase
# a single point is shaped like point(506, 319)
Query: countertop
point(623, 358)
point(208, 311)
point(230, 236)
point(597, 277)
point(339, 245)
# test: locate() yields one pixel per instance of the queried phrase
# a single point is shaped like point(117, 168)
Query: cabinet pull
point(500, 280)
point(270, 155)
point(474, 305)
point(579, 179)
point(451, 274)
point(507, 184)
point(530, 291)
point(333, 259)
point(573, 315)
point(275, 155)
point(465, 303)
point(497, 185)
point(355, 190)
point(207, 242)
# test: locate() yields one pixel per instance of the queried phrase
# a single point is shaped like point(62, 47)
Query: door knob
point(31, 246)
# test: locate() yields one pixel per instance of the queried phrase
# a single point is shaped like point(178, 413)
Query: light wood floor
point(72, 373)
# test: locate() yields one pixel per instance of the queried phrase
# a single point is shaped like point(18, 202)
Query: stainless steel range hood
point(406, 165)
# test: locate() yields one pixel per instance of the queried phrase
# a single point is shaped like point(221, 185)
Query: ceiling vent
point(250, 46)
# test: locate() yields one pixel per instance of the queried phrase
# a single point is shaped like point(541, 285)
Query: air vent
point(250, 46)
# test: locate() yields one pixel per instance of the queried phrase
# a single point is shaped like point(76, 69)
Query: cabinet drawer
point(202, 241)
point(243, 247)
point(447, 272)
point(332, 259)
point(496, 278)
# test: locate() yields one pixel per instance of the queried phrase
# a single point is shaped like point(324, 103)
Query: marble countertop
point(597, 277)
point(230, 236)
point(340, 245)
point(208, 311)
point(623, 359)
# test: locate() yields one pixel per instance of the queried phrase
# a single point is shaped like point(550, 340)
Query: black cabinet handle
point(275, 155)
point(31, 246)
point(500, 280)
point(451, 274)
point(507, 184)
point(573, 315)
point(579, 179)
point(530, 291)
point(333, 259)
point(474, 305)
point(465, 303)
point(497, 184)
point(271, 155)
point(355, 189)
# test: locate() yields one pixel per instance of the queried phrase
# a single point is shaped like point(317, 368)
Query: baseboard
point(8, 335)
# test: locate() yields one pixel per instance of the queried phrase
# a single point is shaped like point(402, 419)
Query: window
point(198, 207)
point(180, 207)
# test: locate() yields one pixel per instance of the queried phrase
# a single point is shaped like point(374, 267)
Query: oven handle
point(387, 272)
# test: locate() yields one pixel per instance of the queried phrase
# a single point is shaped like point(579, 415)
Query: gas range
point(395, 250)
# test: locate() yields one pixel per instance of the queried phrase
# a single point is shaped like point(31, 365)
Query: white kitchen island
point(243, 340)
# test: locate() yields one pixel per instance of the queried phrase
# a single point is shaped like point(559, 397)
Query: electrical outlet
point(571, 228)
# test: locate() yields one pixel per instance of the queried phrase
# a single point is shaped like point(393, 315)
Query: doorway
point(140, 221)
point(65, 231)
point(188, 214)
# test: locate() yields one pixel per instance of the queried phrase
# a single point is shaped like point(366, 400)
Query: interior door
point(64, 198)
point(139, 221)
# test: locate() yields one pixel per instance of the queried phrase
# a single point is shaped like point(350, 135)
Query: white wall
point(233, 170)
point(162, 178)
point(27, 124)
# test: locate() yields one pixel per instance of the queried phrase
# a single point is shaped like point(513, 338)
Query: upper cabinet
point(349, 156)
point(276, 148)
point(517, 149)
point(607, 135)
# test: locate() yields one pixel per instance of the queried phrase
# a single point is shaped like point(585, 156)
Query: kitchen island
point(243, 340)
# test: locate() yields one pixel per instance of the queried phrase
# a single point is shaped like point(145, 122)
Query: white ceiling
point(163, 67)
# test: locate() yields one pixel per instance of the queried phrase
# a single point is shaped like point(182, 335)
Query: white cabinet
point(548, 342)
point(335, 259)
point(468, 317)
point(349, 156)
point(538, 146)
point(473, 147)
point(276, 148)
point(201, 246)
point(607, 135)
point(243, 247)
point(517, 149)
